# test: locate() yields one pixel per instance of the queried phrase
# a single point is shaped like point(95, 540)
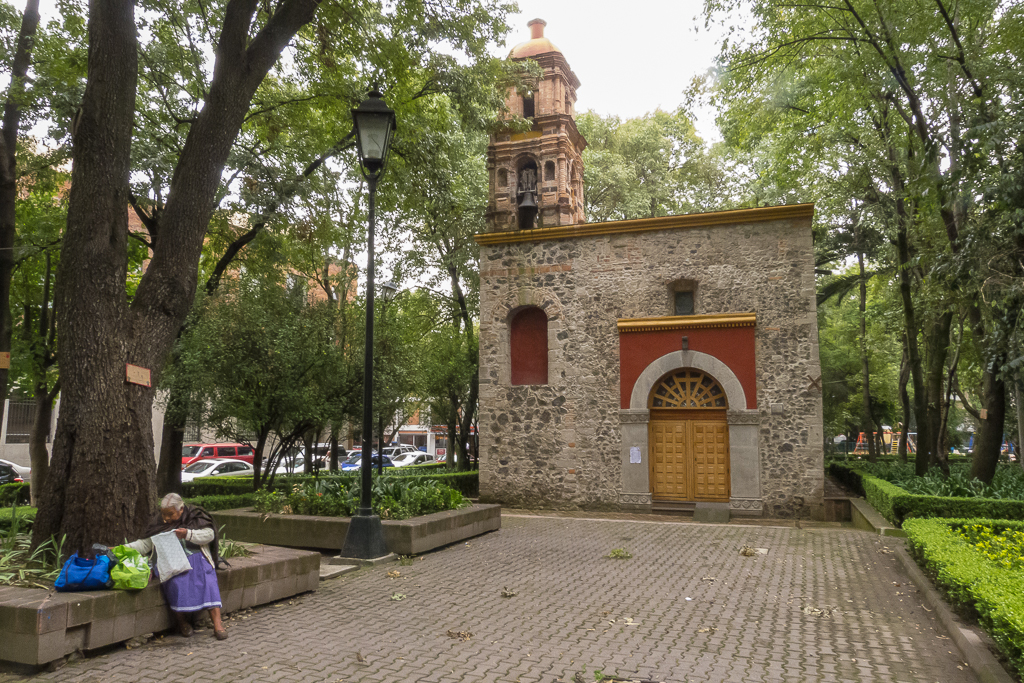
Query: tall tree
point(95, 496)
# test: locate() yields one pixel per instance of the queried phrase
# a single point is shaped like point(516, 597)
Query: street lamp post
point(374, 125)
point(387, 295)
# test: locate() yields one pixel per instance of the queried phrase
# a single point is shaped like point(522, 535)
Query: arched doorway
point(688, 438)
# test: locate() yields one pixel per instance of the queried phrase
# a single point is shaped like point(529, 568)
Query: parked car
point(412, 458)
point(216, 467)
point(291, 464)
point(193, 452)
point(8, 475)
point(394, 451)
point(355, 461)
point(24, 472)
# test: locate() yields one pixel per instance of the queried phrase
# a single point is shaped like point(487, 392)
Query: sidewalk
point(824, 604)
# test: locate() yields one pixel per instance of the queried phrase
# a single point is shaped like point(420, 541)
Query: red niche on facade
point(641, 342)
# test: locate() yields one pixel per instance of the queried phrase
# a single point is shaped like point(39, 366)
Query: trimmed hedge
point(14, 494)
point(468, 483)
point(27, 515)
point(223, 502)
point(972, 581)
point(897, 504)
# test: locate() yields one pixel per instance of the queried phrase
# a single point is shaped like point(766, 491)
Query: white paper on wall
point(634, 454)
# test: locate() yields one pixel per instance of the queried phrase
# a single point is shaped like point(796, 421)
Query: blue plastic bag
point(83, 574)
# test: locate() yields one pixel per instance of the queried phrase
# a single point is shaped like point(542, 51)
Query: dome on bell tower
point(537, 45)
point(536, 175)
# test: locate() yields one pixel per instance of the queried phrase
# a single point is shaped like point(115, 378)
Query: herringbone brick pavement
point(824, 604)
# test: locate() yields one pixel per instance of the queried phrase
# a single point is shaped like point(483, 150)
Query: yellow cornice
point(689, 221)
point(687, 322)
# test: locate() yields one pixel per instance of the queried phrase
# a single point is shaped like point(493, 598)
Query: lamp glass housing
point(375, 125)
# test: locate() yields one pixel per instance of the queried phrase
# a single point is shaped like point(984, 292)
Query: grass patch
point(620, 554)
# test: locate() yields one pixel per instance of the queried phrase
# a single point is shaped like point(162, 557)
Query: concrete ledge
point(866, 518)
point(715, 513)
point(973, 645)
point(38, 626)
point(404, 537)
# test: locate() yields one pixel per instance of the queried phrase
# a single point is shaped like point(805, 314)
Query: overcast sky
point(630, 57)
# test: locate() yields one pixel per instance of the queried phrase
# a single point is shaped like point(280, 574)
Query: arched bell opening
point(526, 194)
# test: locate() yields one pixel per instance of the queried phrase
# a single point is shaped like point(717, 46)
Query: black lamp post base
point(365, 538)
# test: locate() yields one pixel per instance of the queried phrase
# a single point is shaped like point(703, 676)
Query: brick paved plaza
point(687, 607)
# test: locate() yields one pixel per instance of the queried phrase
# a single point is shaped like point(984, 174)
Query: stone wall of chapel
point(558, 445)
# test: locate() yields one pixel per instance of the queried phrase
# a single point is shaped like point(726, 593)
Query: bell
point(527, 202)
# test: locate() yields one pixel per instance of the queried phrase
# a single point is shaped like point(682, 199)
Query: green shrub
point(14, 494)
point(971, 579)
point(897, 504)
point(25, 516)
point(222, 502)
point(216, 486)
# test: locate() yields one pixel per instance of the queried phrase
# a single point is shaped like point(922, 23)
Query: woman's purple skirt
point(194, 590)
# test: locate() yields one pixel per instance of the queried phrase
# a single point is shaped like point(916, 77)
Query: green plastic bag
point(132, 570)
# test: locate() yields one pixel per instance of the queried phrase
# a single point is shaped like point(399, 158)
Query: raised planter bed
point(404, 537)
point(38, 626)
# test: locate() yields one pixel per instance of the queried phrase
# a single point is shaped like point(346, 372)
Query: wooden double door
point(689, 455)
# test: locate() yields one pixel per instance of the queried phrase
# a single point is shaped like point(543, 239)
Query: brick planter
point(404, 537)
point(37, 626)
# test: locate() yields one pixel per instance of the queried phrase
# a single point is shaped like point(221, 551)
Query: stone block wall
point(558, 445)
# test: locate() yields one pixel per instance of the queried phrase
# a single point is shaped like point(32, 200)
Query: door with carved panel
point(688, 438)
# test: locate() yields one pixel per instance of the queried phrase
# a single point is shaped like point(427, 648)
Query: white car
point(216, 467)
point(395, 451)
point(22, 471)
point(411, 458)
point(291, 465)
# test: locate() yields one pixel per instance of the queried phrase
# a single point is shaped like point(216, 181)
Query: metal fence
point(20, 415)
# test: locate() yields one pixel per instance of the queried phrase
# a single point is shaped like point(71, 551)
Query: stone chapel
point(654, 364)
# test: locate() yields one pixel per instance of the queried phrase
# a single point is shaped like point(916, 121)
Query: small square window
point(684, 303)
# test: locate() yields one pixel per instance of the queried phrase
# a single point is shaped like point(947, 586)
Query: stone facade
point(566, 443)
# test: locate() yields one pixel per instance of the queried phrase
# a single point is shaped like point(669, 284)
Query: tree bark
point(103, 451)
point(9, 177)
point(936, 347)
point(1018, 396)
point(103, 484)
point(39, 456)
point(43, 358)
point(866, 418)
point(172, 440)
point(989, 438)
point(904, 402)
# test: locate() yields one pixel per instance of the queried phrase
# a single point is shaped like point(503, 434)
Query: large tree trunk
point(989, 438)
point(930, 424)
point(104, 486)
point(172, 439)
point(9, 176)
point(39, 456)
point(1018, 396)
point(866, 418)
point(904, 402)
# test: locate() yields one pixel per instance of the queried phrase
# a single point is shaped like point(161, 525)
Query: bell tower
point(536, 176)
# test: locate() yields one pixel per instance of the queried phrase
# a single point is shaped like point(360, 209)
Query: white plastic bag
point(171, 559)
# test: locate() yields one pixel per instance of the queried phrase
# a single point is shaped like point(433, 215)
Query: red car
point(192, 452)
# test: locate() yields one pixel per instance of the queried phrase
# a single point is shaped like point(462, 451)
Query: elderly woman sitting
point(196, 589)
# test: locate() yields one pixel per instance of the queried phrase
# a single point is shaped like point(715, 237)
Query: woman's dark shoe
point(220, 635)
point(186, 630)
